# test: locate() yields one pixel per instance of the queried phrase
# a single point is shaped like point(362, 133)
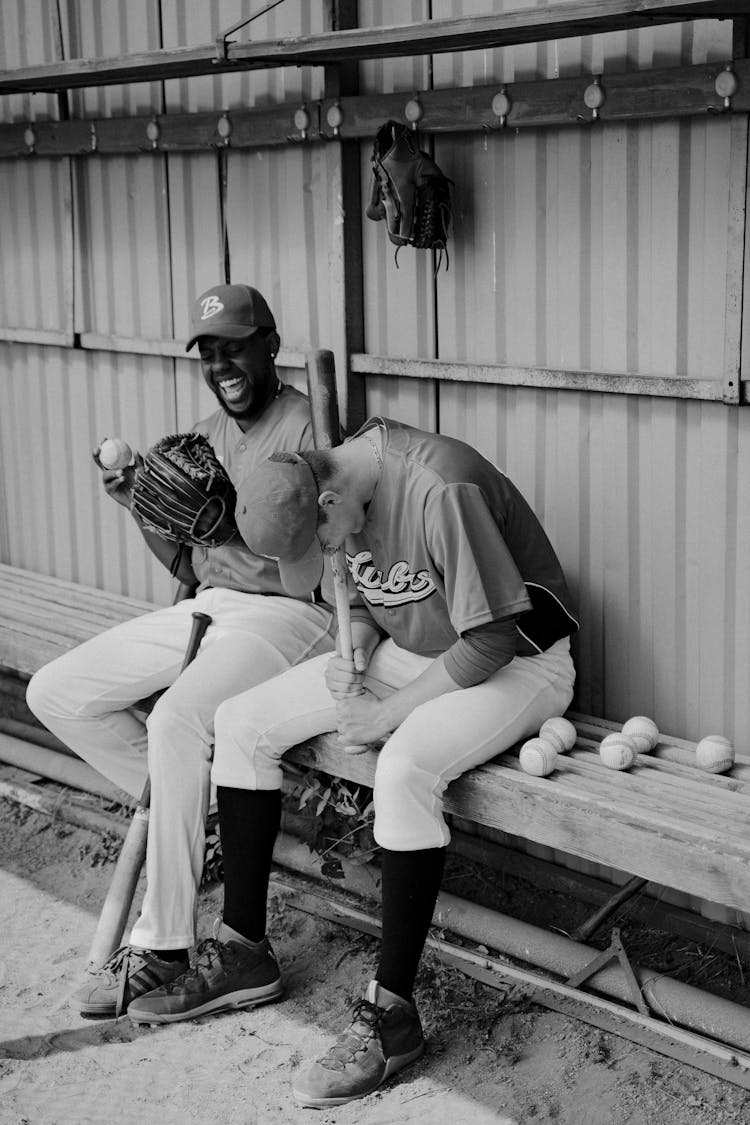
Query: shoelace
point(117, 967)
point(365, 1026)
point(208, 953)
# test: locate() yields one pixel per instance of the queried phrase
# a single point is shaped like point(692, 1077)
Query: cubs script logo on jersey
point(211, 306)
point(398, 587)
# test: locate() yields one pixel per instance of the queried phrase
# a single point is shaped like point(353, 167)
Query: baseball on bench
point(643, 731)
point(114, 453)
point(538, 757)
point(618, 751)
point(714, 753)
point(560, 732)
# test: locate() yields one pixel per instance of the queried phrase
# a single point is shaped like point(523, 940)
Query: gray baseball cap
point(277, 515)
point(233, 312)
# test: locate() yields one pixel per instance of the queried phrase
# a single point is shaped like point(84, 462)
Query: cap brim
point(304, 574)
point(228, 332)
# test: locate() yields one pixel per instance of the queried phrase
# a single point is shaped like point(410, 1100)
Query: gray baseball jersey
point(284, 424)
point(449, 544)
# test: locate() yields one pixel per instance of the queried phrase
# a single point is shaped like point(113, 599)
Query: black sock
point(411, 882)
point(171, 954)
point(248, 825)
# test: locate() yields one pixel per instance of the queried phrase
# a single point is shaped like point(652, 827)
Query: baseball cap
point(277, 515)
point(232, 311)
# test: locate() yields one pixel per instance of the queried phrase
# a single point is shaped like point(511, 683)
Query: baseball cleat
point(126, 975)
point(385, 1035)
point(225, 974)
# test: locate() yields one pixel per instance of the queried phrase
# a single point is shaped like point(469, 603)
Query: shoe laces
point(364, 1027)
point(208, 954)
point(117, 968)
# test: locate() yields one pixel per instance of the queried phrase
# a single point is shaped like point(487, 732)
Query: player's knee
point(47, 695)
point(231, 721)
point(397, 777)
point(171, 713)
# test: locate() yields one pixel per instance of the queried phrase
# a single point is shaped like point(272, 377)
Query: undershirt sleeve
point(481, 651)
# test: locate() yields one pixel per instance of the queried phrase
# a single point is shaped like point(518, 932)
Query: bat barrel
point(324, 403)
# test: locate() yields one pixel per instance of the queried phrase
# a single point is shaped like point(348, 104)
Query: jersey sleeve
point(481, 580)
point(481, 651)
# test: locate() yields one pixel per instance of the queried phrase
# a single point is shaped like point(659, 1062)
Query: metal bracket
point(617, 950)
point(221, 38)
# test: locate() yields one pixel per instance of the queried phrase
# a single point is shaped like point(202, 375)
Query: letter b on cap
point(210, 306)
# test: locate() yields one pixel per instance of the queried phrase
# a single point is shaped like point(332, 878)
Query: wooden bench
point(664, 820)
point(43, 617)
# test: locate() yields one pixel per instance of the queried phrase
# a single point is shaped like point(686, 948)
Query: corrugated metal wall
point(134, 239)
point(606, 248)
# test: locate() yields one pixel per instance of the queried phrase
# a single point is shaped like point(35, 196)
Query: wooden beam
point(564, 21)
point(497, 374)
point(649, 909)
point(631, 96)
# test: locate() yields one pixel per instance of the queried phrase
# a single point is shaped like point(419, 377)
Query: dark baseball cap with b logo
point(233, 312)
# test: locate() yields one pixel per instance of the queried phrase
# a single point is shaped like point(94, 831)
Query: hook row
point(726, 85)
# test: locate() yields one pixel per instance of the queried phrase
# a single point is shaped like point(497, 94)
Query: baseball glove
point(183, 493)
point(409, 191)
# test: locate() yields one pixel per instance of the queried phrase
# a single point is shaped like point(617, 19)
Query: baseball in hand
point(643, 731)
point(714, 753)
point(114, 453)
point(538, 757)
point(618, 752)
point(560, 732)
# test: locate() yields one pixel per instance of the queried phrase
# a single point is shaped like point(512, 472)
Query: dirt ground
point(508, 1061)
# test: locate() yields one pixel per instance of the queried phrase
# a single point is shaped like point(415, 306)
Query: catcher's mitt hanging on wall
point(183, 493)
point(409, 192)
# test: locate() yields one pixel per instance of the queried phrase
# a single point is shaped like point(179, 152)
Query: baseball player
point(257, 631)
point(461, 648)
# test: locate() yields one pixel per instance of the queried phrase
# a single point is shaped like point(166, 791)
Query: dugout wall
point(587, 336)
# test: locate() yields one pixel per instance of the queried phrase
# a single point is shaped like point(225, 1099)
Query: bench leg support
point(617, 950)
point(587, 928)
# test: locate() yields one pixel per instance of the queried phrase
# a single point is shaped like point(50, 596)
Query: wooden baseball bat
point(116, 909)
point(324, 410)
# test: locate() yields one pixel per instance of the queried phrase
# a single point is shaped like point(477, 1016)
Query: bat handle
point(343, 619)
point(201, 622)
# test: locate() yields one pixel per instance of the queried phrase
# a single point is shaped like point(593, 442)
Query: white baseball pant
point(436, 743)
point(85, 696)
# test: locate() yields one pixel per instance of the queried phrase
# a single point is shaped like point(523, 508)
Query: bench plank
point(596, 817)
point(42, 617)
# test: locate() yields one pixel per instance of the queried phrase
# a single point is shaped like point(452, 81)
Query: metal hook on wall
point(414, 111)
point(302, 121)
point(153, 132)
point(335, 118)
point(594, 98)
point(501, 107)
point(726, 86)
point(224, 128)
